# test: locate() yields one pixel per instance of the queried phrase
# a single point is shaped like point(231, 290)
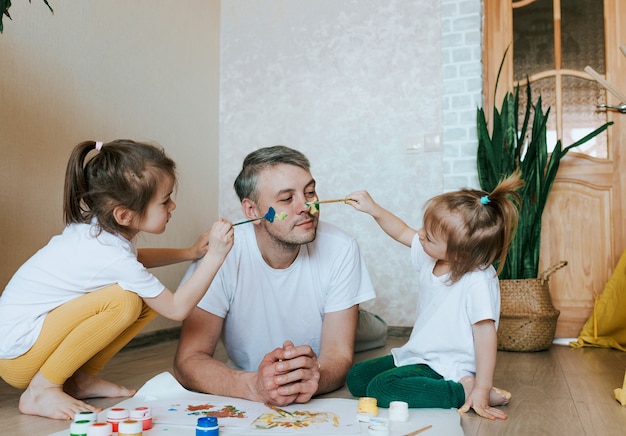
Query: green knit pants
point(417, 385)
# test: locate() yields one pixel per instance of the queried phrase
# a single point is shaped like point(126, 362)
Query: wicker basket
point(527, 315)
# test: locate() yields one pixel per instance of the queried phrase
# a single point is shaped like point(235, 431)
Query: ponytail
point(76, 186)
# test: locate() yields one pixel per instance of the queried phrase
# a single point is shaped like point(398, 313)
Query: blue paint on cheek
point(270, 215)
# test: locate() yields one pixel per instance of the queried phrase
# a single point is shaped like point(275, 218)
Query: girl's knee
point(128, 304)
point(133, 305)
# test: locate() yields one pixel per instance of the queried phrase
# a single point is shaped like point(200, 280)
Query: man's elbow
point(178, 314)
point(181, 370)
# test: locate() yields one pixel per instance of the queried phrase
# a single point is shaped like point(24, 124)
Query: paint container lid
point(367, 408)
point(100, 429)
point(379, 427)
point(207, 422)
point(79, 428)
point(130, 427)
point(141, 413)
point(207, 426)
point(368, 405)
point(117, 413)
point(398, 411)
point(86, 415)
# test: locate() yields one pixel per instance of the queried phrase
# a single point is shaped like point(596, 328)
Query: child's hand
point(361, 201)
point(201, 246)
point(221, 238)
point(478, 400)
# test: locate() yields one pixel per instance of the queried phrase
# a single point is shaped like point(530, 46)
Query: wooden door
point(583, 223)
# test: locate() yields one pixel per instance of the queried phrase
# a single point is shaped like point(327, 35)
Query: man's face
point(287, 188)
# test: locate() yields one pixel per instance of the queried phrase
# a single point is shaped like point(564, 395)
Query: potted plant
point(516, 143)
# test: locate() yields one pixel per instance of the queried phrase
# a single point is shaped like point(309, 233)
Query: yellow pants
point(84, 333)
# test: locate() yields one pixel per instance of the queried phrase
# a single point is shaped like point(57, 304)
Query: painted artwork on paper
point(296, 420)
point(316, 417)
point(186, 413)
point(227, 411)
point(321, 417)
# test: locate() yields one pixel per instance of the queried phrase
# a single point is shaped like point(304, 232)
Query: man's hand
point(288, 375)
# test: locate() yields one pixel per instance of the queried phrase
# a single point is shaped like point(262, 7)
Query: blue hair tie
point(485, 200)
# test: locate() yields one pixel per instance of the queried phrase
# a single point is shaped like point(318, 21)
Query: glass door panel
point(553, 41)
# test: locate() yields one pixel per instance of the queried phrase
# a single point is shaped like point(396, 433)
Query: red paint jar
point(116, 415)
point(143, 415)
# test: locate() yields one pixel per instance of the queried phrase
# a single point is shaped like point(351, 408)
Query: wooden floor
point(562, 391)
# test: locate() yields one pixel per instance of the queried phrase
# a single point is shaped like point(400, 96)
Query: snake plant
point(509, 147)
point(4, 9)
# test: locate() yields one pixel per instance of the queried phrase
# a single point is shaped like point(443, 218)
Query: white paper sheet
point(163, 393)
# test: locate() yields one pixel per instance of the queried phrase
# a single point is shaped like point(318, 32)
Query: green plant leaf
point(4, 7)
point(6, 4)
point(510, 146)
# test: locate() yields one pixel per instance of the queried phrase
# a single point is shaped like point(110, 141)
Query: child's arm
point(485, 347)
point(177, 305)
point(154, 257)
point(391, 224)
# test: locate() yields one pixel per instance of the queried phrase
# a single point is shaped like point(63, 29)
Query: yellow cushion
point(606, 327)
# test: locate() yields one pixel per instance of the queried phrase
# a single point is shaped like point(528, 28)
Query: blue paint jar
point(207, 426)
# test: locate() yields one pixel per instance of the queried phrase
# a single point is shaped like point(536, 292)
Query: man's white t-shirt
point(70, 265)
point(442, 336)
point(263, 306)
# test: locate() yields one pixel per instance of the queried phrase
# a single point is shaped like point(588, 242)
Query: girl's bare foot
point(497, 397)
point(82, 385)
point(43, 398)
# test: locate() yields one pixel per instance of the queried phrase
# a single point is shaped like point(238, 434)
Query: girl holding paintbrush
point(88, 292)
point(449, 360)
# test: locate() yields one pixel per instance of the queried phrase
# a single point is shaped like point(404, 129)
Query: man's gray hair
point(258, 160)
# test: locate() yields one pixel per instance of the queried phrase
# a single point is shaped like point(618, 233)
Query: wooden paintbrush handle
point(340, 200)
point(419, 430)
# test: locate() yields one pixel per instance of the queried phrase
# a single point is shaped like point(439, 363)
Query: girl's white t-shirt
point(442, 336)
point(70, 265)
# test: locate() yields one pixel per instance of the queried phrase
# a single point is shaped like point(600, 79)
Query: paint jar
point(116, 415)
point(79, 428)
point(100, 429)
point(379, 427)
point(130, 427)
point(398, 411)
point(368, 407)
point(143, 415)
point(207, 426)
point(86, 415)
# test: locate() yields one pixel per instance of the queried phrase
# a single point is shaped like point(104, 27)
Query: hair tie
point(485, 200)
point(99, 145)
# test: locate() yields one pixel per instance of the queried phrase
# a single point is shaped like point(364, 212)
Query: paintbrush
point(340, 200)
point(269, 216)
point(283, 412)
point(419, 430)
point(314, 206)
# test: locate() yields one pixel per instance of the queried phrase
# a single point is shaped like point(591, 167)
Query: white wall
point(353, 84)
point(100, 70)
